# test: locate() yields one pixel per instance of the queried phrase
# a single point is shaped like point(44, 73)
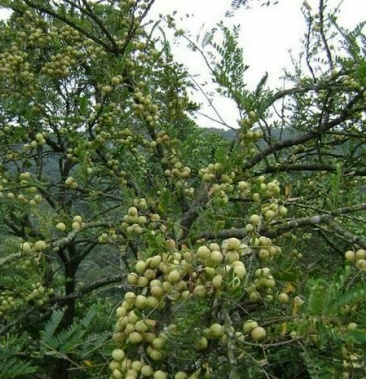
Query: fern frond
point(319, 368)
point(51, 326)
point(260, 86)
point(207, 38)
point(67, 339)
point(15, 367)
point(353, 295)
point(89, 317)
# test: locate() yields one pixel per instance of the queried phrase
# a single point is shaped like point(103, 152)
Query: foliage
point(220, 258)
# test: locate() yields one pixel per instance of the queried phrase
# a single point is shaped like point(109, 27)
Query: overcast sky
point(268, 34)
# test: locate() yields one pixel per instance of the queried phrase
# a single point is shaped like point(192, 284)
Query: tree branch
point(305, 137)
point(309, 167)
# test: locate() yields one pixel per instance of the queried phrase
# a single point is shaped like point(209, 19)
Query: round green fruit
point(258, 333)
point(249, 325)
point(61, 227)
point(118, 354)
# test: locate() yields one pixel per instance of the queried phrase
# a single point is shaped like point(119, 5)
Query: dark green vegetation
point(134, 244)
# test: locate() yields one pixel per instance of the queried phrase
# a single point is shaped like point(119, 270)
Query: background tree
point(229, 253)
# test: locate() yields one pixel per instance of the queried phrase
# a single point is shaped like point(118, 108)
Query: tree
point(106, 180)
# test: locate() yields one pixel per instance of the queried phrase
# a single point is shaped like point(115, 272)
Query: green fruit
point(350, 256)
point(258, 333)
point(118, 354)
point(249, 325)
point(135, 337)
point(217, 330)
point(255, 219)
point(203, 253)
point(40, 246)
point(61, 227)
point(160, 375)
point(352, 326)
point(283, 298)
point(147, 370)
point(180, 375)
point(232, 244)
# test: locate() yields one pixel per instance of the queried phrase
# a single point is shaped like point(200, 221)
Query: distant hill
point(228, 134)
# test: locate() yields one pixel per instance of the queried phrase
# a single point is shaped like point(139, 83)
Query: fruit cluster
point(167, 281)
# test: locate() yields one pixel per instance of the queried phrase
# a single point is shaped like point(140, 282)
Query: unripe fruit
point(135, 337)
point(149, 274)
point(282, 210)
point(76, 225)
point(140, 302)
point(361, 264)
point(255, 296)
point(156, 291)
point(26, 247)
point(155, 261)
point(360, 254)
point(269, 282)
point(118, 354)
point(140, 266)
point(121, 312)
point(249, 325)
point(132, 317)
point(114, 365)
point(142, 282)
point(61, 227)
point(129, 329)
point(270, 214)
point(117, 374)
point(240, 271)
point(217, 281)
point(156, 355)
point(78, 219)
point(40, 246)
point(147, 370)
point(232, 244)
point(160, 375)
point(216, 257)
point(214, 246)
point(107, 89)
point(263, 254)
point(129, 295)
point(174, 276)
point(258, 333)
point(131, 374)
point(255, 219)
point(149, 337)
point(166, 286)
point(352, 326)
point(283, 298)
point(202, 343)
point(158, 343)
point(232, 256)
point(141, 326)
point(152, 302)
point(132, 278)
point(203, 253)
point(180, 375)
point(200, 290)
point(216, 330)
point(350, 256)
point(136, 365)
point(210, 272)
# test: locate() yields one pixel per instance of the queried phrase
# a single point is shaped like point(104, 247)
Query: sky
point(267, 36)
